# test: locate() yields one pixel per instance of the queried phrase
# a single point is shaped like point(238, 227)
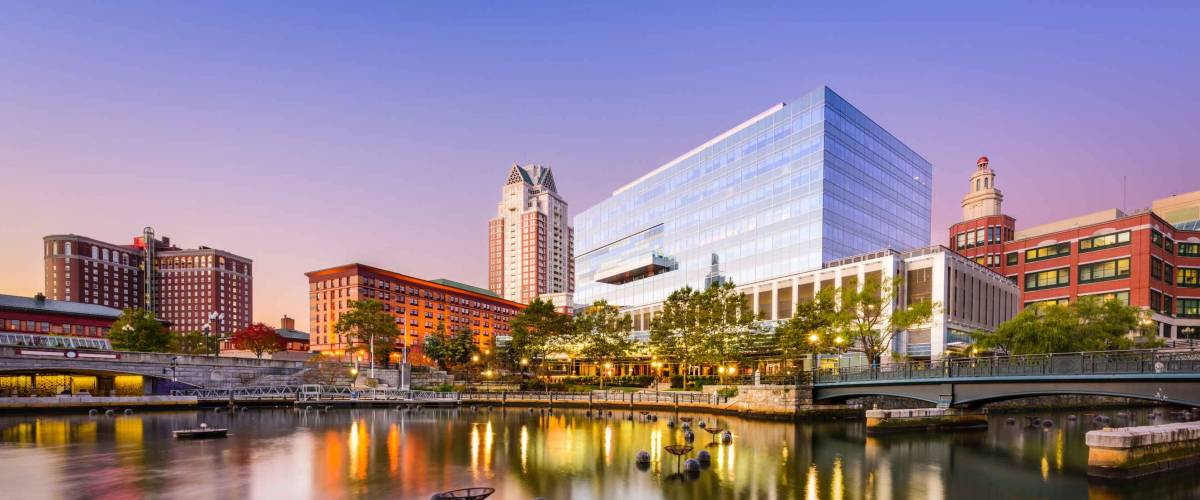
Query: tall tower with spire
point(984, 227)
point(530, 239)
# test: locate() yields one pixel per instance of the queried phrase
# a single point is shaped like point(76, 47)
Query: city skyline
point(238, 160)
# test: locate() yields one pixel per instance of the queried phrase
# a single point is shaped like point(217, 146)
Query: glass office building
point(800, 184)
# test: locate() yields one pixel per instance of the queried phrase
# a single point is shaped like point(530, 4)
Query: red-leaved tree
point(258, 338)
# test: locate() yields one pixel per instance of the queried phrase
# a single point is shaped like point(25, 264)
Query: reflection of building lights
point(1045, 469)
point(837, 485)
point(524, 449)
point(810, 483)
point(488, 438)
point(393, 447)
point(607, 445)
point(475, 452)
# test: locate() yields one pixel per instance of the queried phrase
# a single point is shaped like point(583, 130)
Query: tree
point(810, 329)
point(1085, 325)
point(137, 330)
point(871, 317)
point(258, 339)
point(450, 350)
point(368, 323)
point(602, 333)
point(196, 343)
point(677, 333)
point(535, 331)
point(728, 325)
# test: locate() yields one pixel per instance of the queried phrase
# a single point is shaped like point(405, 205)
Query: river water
point(381, 453)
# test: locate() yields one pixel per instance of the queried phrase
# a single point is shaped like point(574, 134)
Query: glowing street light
point(813, 338)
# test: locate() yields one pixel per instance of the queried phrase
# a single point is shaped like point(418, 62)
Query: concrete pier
point(1140, 451)
point(881, 421)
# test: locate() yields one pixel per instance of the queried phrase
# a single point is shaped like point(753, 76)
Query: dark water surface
point(284, 454)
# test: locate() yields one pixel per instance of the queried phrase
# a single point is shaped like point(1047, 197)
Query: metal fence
point(1029, 365)
point(313, 393)
point(607, 397)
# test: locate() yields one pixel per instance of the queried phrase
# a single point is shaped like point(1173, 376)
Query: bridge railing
point(311, 393)
point(1078, 363)
point(611, 397)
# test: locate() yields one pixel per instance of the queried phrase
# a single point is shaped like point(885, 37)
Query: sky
point(308, 135)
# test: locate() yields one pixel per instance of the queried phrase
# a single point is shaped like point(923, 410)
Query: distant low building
point(38, 321)
point(296, 343)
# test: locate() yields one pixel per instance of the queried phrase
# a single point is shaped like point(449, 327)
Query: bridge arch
point(53, 380)
point(1178, 390)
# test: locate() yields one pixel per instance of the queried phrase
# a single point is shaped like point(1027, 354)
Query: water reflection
point(387, 453)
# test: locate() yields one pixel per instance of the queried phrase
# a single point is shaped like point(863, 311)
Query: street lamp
point(213, 317)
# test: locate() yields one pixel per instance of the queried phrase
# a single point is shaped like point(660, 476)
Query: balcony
point(634, 269)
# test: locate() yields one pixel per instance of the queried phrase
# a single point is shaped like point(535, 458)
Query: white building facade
point(530, 240)
point(968, 297)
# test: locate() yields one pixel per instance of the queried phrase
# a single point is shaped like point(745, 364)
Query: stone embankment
point(883, 421)
point(1140, 451)
point(65, 403)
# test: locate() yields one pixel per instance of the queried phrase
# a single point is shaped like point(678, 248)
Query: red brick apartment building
point(185, 287)
point(417, 305)
point(1150, 259)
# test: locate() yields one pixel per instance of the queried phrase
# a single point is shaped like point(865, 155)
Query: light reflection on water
point(387, 453)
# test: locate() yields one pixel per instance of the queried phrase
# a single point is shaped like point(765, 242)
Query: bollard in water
point(703, 456)
point(691, 465)
point(643, 457)
point(726, 437)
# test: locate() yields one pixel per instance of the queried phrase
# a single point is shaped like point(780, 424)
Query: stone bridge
point(1166, 376)
point(162, 372)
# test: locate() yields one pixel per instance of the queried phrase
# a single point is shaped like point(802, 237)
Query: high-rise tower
point(530, 240)
point(983, 199)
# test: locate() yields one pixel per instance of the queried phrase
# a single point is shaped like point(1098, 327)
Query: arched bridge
point(1166, 376)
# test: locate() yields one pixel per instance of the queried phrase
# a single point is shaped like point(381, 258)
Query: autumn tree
point(258, 339)
point(535, 331)
point(366, 322)
point(138, 330)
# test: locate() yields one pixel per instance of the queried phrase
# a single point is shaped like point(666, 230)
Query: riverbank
point(61, 404)
point(807, 413)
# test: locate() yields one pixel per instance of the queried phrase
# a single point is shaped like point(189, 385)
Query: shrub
point(727, 392)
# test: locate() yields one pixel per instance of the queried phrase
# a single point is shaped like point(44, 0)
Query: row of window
point(982, 236)
point(1088, 273)
point(1122, 296)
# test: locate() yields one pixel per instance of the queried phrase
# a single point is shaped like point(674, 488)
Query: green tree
point(810, 330)
point(194, 343)
point(535, 331)
point(1085, 325)
point(602, 334)
point(137, 330)
point(368, 323)
point(450, 350)
point(728, 325)
point(869, 318)
point(677, 333)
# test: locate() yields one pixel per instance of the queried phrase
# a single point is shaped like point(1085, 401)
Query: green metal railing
point(1028, 365)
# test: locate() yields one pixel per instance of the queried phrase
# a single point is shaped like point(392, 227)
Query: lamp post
point(213, 317)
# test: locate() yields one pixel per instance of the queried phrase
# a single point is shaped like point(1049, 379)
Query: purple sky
point(307, 135)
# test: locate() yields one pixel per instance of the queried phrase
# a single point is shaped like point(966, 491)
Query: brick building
point(189, 288)
point(1140, 258)
point(418, 306)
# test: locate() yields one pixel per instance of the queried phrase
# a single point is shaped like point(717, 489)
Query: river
point(381, 453)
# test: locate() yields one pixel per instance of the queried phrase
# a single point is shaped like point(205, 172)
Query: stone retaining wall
point(1139, 451)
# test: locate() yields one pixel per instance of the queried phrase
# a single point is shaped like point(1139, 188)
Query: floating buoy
point(1011, 421)
point(670, 423)
point(687, 425)
point(1047, 423)
point(610, 413)
point(688, 436)
point(691, 465)
point(92, 411)
point(628, 417)
point(654, 418)
point(217, 410)
point(726, 437)
point(587, 413)
point(703, 456)
point(108, 412)
point(702, 424)
point(1071, 417)
point(129, 411)
point(643, 457)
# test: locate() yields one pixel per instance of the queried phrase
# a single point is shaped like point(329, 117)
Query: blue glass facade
point(800, 184)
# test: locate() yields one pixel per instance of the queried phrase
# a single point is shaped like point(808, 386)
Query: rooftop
point(32, 304)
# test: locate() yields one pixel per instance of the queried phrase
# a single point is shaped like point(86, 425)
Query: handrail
point(1078, 363)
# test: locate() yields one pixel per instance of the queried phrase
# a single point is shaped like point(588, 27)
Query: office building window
point(1047, 252)
point(1183, 249)
point(1122, 296)
point(1050, 278)
point(1156, 238)
point(1188, 276)
point(1011, 258)
point(1156, 269)
point(1101, 271)
point(1104, 241)
point(1187, 308)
